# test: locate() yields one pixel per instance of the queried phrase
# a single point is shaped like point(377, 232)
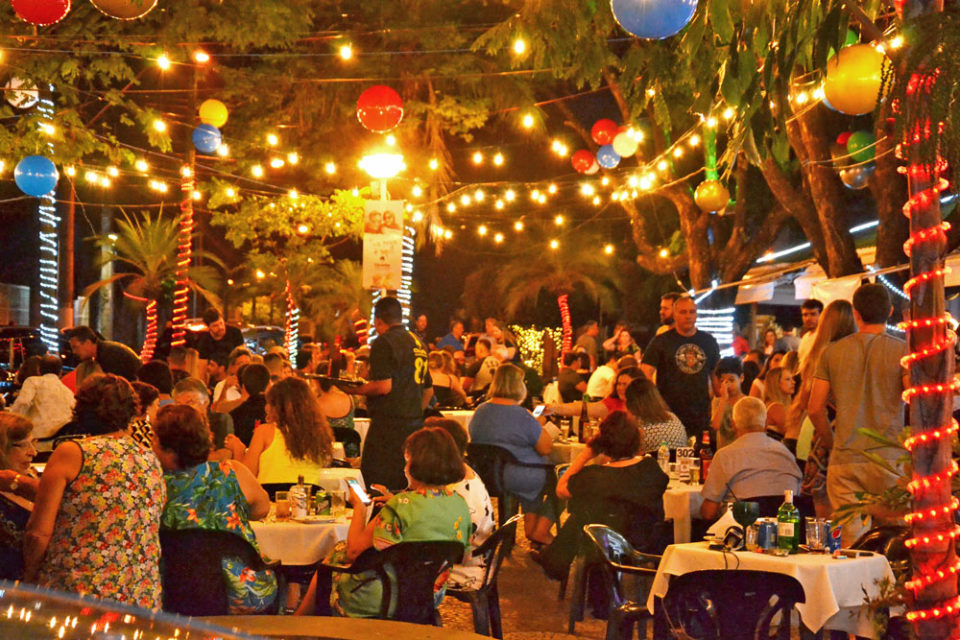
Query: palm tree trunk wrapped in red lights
point(933, 587)
point(150, 338)
point(184, 255)
point(563, 301)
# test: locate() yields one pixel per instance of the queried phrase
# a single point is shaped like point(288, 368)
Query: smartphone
point(357, 489)
point(538, 410)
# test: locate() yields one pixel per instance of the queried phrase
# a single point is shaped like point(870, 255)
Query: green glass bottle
point(788, 525)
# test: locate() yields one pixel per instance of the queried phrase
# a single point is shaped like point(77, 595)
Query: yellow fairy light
point(408, 208)
point(293, 194)
point(605, 180)
point(355, 192)
point(651, 92)
point(558, 220)
point(596, 201)
point(510, 195)
point(482, 230)
point(678, 152)
point(141, 165)
point(615, 196)
point(434, 164)
point(260, 274)
point(69, 170)
point(728, 113)
point(257, 171)
point(451, 207)
point(272, 139)
point(231, 192)
point(477, 157)
point(712, 122)
point(646, 183)
point(465, 200)
point(818, 94)
point(223, 150)
point(159, 125)
point(346, 51)
point(499, 205)
point(694, 140)
point(802, 97)
point(201, 56)
point(895, 42)
point(105, 182)
point(163, 61)
point(518, 225)
point(519, 46)
point(664, 253)
point(417, 191)
point(417, 216)
point(185, 171)
point(498, 238)
point(542, 199)
point(276, 163)
point(608, 249)
point(554, 244)
point(498, 159)
point(303, 229)
point(632, 181)
point(113, 172)
point(196, 195)
point(587, 190)
point(638, 135)
point(293, 157)
point(662, 165)
point(528, 121)
point(330, 168)
point(552, 188)
point(478, 195)
point(47, 128)
point(447, 234)
point(535, 195)
point(391, 140)
point(91, 176)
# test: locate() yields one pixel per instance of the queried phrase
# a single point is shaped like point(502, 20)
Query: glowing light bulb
point(276, 163)
point(141, 165)
point(70, 170)
point(293, 194)
point(712, 122)
point(482, 230)
point(728, 113)
point(587, 190)
point(451, 207)
point(293, 157)
point(498, 238)
point(519, 46)
point(465, 200)
point(417, 191)
point(498, 159)
point(159, 125)
point(542, 199)
point(651, 92)
point(163, 61)
point(895, 42)
point(346, 51)
point(605, 180)
point(664, 253)
point(632, 181)
point(196, 195)
point(678, 152)
point(552, 188)
point(608, 249)
point(257, 171)
point(518, 225)
point(303, 229)
point(527, 121)
point(479, 195)
point(662, 165)
point(417, 216)
point(260, 274)
point(231, 192)
point(694, 140)
point(105, 182)
point(185, 171)
point(535, 195)
point(91, 176)
point(201, 56)
point(47, 128)
point(391, 140)
point(113, 172)
point(447, 234)
point(434, 164)
point(596, 201)
point(499, 205)
point(802, 97)
point(510, 195)
point(477, 157)
point(554, 244)
point(272, 139)
point(223, 150)
point(330, 168)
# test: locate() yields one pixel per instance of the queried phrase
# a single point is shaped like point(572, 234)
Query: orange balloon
point(853, 79)
point(711, 195)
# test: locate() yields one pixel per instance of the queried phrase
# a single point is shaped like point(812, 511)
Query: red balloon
point(380, 108)
point(41, 12)
point(604, 131)
point(582, 160)
point(843, 137)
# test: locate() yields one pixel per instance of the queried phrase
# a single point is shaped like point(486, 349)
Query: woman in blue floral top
point(218, 496)
point(427, 511)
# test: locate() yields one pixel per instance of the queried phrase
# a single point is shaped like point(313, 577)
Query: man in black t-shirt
point(681, 361)
point(113, 357)
point(220, 338)
point(254, 379)
point(400, 387)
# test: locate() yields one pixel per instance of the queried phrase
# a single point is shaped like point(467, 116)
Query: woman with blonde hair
point(296, 439)
point(503, 422)
point(446, 387)
point(778, 396)
point(18, 488)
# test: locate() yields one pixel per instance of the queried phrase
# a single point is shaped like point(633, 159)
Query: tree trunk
point(888, 189)
point(181, 295)
point(799, 205)
point(694, 224)
point(150, 340)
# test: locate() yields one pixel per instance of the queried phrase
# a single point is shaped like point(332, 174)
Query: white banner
point(382, 244)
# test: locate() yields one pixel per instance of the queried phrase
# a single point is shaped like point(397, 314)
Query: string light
point(527, 121)
point(417, 191)
point(293, 194)
point(478, 195)
point(664, 253)
point(510, 195)
point(608, 249)
point(196, 195)
point(930, 437)
point(498, 159)
point(518, 225)
point(434, 164)
point(330, 168)
point(498, 238)
point(482, 230)
point(451, 207)
point(272, 139)
point(552, 188)
point(141, 165)
point(231, 192)
point(223, 150)
point(256, 171)
point(49, 250)
point(558, 220)
point(159, 125)
point(519, 46)
point(499, 205)
point(293, 157)
point(391, 140)
point(346, 51)
point(163, 61)
point(201, 57)
point(465, 200)
point(554, 244)
point(276, 163)
point(70, 170)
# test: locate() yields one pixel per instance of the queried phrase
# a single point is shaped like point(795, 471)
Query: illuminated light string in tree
point(404, 294)
point(719, 324)
point(292, 329)
point(150, 340)
point(530, 343)
point(184, 253)
point(49, 252)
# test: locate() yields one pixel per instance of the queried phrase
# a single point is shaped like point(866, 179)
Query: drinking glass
point(283, 504)
point(564, 432)
point(338, 503)
point(746, 513)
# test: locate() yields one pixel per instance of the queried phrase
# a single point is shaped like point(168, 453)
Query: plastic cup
point(283, 504)
point(338, 503)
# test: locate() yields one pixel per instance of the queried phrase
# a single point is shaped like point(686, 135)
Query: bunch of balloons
point(852, 155)
point(615, 143)
point(206, 136)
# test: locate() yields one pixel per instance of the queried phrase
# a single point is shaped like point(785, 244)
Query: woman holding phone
point(426, 511)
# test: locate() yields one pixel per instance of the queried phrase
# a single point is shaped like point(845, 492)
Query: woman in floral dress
point(427, 511)
point(95, 527)
point(217, 496)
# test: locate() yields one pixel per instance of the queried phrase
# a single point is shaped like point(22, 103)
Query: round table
point(296, 543)
point(566, 452)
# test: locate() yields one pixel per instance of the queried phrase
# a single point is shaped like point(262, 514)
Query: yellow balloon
point(213, 112)
point(853, 79)
point(711, 195)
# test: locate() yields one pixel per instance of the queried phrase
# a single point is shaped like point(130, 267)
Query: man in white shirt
point(600, 383)
point(44, 400)
point(228, 395)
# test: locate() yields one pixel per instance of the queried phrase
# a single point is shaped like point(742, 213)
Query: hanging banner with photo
point(382, 244)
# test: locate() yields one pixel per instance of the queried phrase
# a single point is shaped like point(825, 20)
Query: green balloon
point(860, 146)
point(852, 38)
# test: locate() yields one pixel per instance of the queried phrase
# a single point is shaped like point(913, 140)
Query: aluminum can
point(298, 501)
point(766, 533)
point(833, 538)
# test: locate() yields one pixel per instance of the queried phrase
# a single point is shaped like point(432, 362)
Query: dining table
point(463, 416)
point(566, 451)
point(681, 503)
point(300, 543)
point(835, 589)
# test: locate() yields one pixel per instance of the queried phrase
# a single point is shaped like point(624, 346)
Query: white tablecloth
point(295, 543)
point(462, 416)
point(681, 502)
point(564, 452)
point(334, 477)
point(834, 589)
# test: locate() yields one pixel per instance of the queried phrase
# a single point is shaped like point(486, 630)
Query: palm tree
point(337, 296)
point(147, 247)
point(560, 272)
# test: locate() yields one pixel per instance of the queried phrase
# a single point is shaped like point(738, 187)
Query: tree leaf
point(721, 20)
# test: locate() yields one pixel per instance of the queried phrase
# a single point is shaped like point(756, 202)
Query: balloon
point(380, 108)
point(213, 112)
point(21, 93)
point(857, 177)
point(125, 9)
point(603, 131)
point(839, 156)
point(36, 175)
point(843, 137)
point(948, 202)
point(207, 138)
point(711, 195)
point(853, 79)
point(654, 19)
point(593, 168)
point(625, 143)
point(860, 146)
point(41, 12)
point(607, 157)
point(582, 160)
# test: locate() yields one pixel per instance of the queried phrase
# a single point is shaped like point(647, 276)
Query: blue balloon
point(207, 138)
point(607, 157)
point(36, 175)
point(655, 19)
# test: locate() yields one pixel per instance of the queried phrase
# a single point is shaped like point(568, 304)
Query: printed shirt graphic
point(690, 358)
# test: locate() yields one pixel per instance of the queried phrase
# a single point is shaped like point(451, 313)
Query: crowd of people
point(190, 441)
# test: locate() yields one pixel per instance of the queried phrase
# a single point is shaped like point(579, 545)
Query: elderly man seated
point(753, 465)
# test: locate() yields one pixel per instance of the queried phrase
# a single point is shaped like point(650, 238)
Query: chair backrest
point(890, 541)
point(730, 604)
point(408, 572)
point(350, 439)
point(272, 487)
point(191, 571)
point(618, 555)
point(488, 461)
point(494, 549)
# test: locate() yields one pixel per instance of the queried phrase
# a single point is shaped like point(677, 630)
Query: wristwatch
point(16, 482)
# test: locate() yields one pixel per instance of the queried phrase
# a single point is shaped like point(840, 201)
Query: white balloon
point(21, 93)
point(625, 144)
point(593, 168)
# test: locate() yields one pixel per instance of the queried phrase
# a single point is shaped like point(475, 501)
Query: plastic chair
point(408, 572)
point(350, 439)
point(485, 601)
point(619, 558)
point(731, 604)
point(489, 461)
point(192, 576)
